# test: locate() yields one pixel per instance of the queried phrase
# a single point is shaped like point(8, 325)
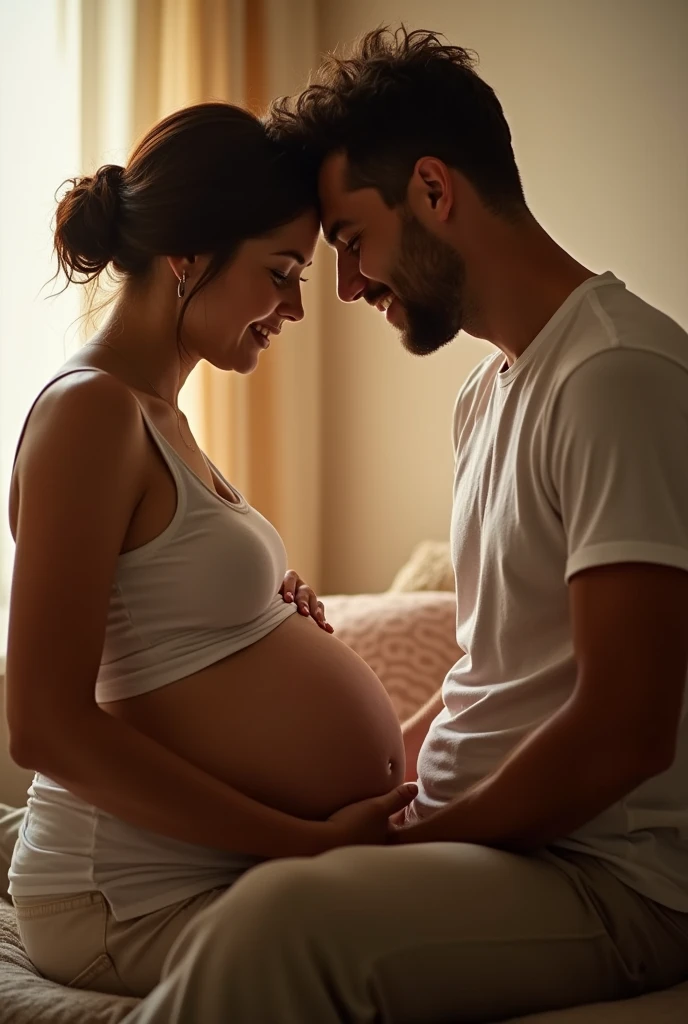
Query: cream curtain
point(261, 430)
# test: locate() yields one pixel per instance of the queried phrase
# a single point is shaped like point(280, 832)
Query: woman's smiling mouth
point(261, 334)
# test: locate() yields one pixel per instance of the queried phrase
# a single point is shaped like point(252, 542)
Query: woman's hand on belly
point(367, 823)
point(294, 589)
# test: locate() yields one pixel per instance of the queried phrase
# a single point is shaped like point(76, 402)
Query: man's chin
point(421, 331)
point(424, 345)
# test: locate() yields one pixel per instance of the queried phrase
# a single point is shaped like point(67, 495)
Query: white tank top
point(205, 588)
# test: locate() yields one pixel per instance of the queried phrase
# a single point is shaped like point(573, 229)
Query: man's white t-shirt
point(573, 457)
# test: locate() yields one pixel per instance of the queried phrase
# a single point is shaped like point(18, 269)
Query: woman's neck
point(143, 331)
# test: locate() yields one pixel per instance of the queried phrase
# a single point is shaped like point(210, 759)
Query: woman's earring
point(181, 287)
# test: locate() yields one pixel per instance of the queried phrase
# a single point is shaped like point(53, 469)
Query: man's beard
point(429, 282)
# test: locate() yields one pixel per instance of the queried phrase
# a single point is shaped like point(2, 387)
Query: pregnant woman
point(183, 720)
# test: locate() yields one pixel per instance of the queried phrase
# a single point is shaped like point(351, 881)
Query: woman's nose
point(291, 308)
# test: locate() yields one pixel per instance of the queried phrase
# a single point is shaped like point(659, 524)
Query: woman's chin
point(249, 365)
point(242, 361)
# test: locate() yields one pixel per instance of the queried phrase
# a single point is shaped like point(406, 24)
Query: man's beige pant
point(449, 933)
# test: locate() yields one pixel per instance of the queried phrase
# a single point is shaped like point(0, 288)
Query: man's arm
point(415, 729)
point(618, 729)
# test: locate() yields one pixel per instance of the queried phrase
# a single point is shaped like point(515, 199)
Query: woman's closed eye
point(282, 280)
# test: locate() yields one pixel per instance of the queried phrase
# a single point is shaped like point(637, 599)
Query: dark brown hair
point(398, 97)
point(201, 181)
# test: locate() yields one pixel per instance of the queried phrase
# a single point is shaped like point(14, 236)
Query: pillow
point(408, 639)
point(10, 823)
point(428, 568)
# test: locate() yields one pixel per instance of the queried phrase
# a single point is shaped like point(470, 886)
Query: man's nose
point(351, 284)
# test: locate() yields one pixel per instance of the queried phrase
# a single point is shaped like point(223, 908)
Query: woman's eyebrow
point(294, 254)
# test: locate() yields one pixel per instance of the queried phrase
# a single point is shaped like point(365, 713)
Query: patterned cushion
point(408, 639)
point(429, 568)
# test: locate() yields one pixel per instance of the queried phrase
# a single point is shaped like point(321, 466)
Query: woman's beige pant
point(449, 933)
point(76, 941)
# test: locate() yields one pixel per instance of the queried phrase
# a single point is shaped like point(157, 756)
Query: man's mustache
point(373, 295)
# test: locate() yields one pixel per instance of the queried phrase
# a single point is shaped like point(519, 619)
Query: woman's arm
point(79, 478)
point(109, 764)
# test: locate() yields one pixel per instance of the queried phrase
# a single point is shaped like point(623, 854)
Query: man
point(544, 861)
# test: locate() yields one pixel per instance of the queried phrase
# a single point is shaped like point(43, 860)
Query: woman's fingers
point(317, 610)
point(398, 819)
point(306, 600)
point(293, 589)
point(398, 798)
point(290, 586)
point(321, 620)
point(303, 599)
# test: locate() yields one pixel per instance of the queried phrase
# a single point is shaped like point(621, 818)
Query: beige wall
point(596, 93)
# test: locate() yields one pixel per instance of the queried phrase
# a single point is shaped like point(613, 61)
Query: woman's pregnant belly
point(297, 721)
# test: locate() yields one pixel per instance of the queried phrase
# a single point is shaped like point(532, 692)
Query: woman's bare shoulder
point(86, 407)
point(81, 426)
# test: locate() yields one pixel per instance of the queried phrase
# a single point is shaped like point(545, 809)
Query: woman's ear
point(180, 265)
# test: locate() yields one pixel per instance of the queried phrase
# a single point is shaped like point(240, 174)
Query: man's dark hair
point(400, 96)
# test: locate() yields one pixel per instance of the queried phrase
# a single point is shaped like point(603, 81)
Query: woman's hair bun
point(86, 222)
point(201, 181)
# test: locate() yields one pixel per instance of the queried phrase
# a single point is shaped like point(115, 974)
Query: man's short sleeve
point(618, 460)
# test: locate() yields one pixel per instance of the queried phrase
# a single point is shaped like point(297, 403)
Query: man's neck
point(517, 281)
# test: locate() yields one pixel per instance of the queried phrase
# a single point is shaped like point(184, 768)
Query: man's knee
point(307, 895)
point(272, 896)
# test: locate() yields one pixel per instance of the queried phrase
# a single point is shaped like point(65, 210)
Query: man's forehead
point(333, 194)
point(333, 174)
point(341, 205)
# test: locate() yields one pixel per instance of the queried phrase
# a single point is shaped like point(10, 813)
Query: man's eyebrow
point(293, 254)
point(331, 235)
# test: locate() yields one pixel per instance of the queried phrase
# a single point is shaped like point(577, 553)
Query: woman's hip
point(76, 941)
